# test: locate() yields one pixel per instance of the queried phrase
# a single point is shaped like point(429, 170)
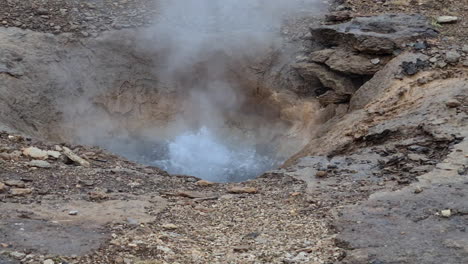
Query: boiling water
point(203, 154)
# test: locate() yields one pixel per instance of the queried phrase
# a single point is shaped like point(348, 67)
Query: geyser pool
point(203, 154)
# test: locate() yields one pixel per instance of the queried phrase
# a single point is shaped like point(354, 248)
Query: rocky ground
point(383, 179)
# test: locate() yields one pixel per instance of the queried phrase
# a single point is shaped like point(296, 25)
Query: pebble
point(452, 103)
point(446, 213)
point(433, 59)
point(15, 183)
point(170, 226)
point(375, 61)
point(250, 190)
point(2, 187)
point(321, 174)
point(418, 190)
point(48, 261)
point(452, 56)
point(35, 153)
point(19, 192)
point(73, 212)
point(54, 154)
point(39, 164)
point(17, 255)
point(204, 183)
point(447, 19)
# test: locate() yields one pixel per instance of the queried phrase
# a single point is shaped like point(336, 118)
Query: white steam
point(203, 154)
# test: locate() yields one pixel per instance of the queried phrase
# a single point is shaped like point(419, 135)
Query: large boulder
point(378, 34)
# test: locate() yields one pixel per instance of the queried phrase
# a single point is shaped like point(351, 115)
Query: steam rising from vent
point(202, 154)
point(198, 109)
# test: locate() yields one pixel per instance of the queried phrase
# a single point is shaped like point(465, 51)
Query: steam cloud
point(197, 44)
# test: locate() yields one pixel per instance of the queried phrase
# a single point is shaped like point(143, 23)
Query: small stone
point(73, 212)
point(433, 59)
point(169, 226)
point(204, 183)
point(321, 174)
point(452, 56)
point(446, 213)
point(48, 261)
point(447, 19)
point(42, 11)
point(375, 61)
point(241, 249)
point(72, 156)
point(465, 48)
point(54, 154)
point(17, 255)
point(40, 164)
point(237, 190)
point(3, 187)
point(418, 190)
point(452, 103)
point(35, 153)
point(15, 183)
point(20, 192)
point(441, 64)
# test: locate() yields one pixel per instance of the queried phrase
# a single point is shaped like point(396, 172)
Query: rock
point(73, 212)
point(418, 190)
point(17, 255)
point(348, 62)
point(377, 34)
point(204, 183)
point(321, 174)
point(382, 80)
point(48, 261)
point(41, 11)
point(433, 59)
point(241, 249)
point(446, 213)
point(15, 183)
point(321, 55)
point(35, 153)
point(72, 156)
point(54, 154)
point(40, 164)
point(238, 190)
point(411, 68)
point(447, 19)
point(452, 56)
point(191, 195)
point(465, 48)
point(169, 226)
point(338, 16)
point(453, 103)
point(342, 86)
point(3, 187)
point(20, 192)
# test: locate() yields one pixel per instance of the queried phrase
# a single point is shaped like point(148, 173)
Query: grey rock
point(465, 48)
point(15, 183)
point(39, 164)
point(452, 56)
point(378, 34)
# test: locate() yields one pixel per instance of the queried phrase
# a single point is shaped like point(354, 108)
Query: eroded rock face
point(377, 35)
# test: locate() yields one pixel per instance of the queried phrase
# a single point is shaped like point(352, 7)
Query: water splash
point(202, 154)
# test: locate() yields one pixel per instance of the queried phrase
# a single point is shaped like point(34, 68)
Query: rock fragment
point(204, 183)
point(447, 19)
point(15, 183)
point(3, 187)
point(169, 226)
point(54, 154)
point(72, 156)
point(238, 190)
point(452, 56)
point(321, 174)
point(48, 261)
point(452, 103)
point(35, 153)
point(40, 164)
point(446, 213)
point(20, 192)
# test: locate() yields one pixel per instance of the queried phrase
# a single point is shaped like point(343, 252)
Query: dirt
point(381, 178)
